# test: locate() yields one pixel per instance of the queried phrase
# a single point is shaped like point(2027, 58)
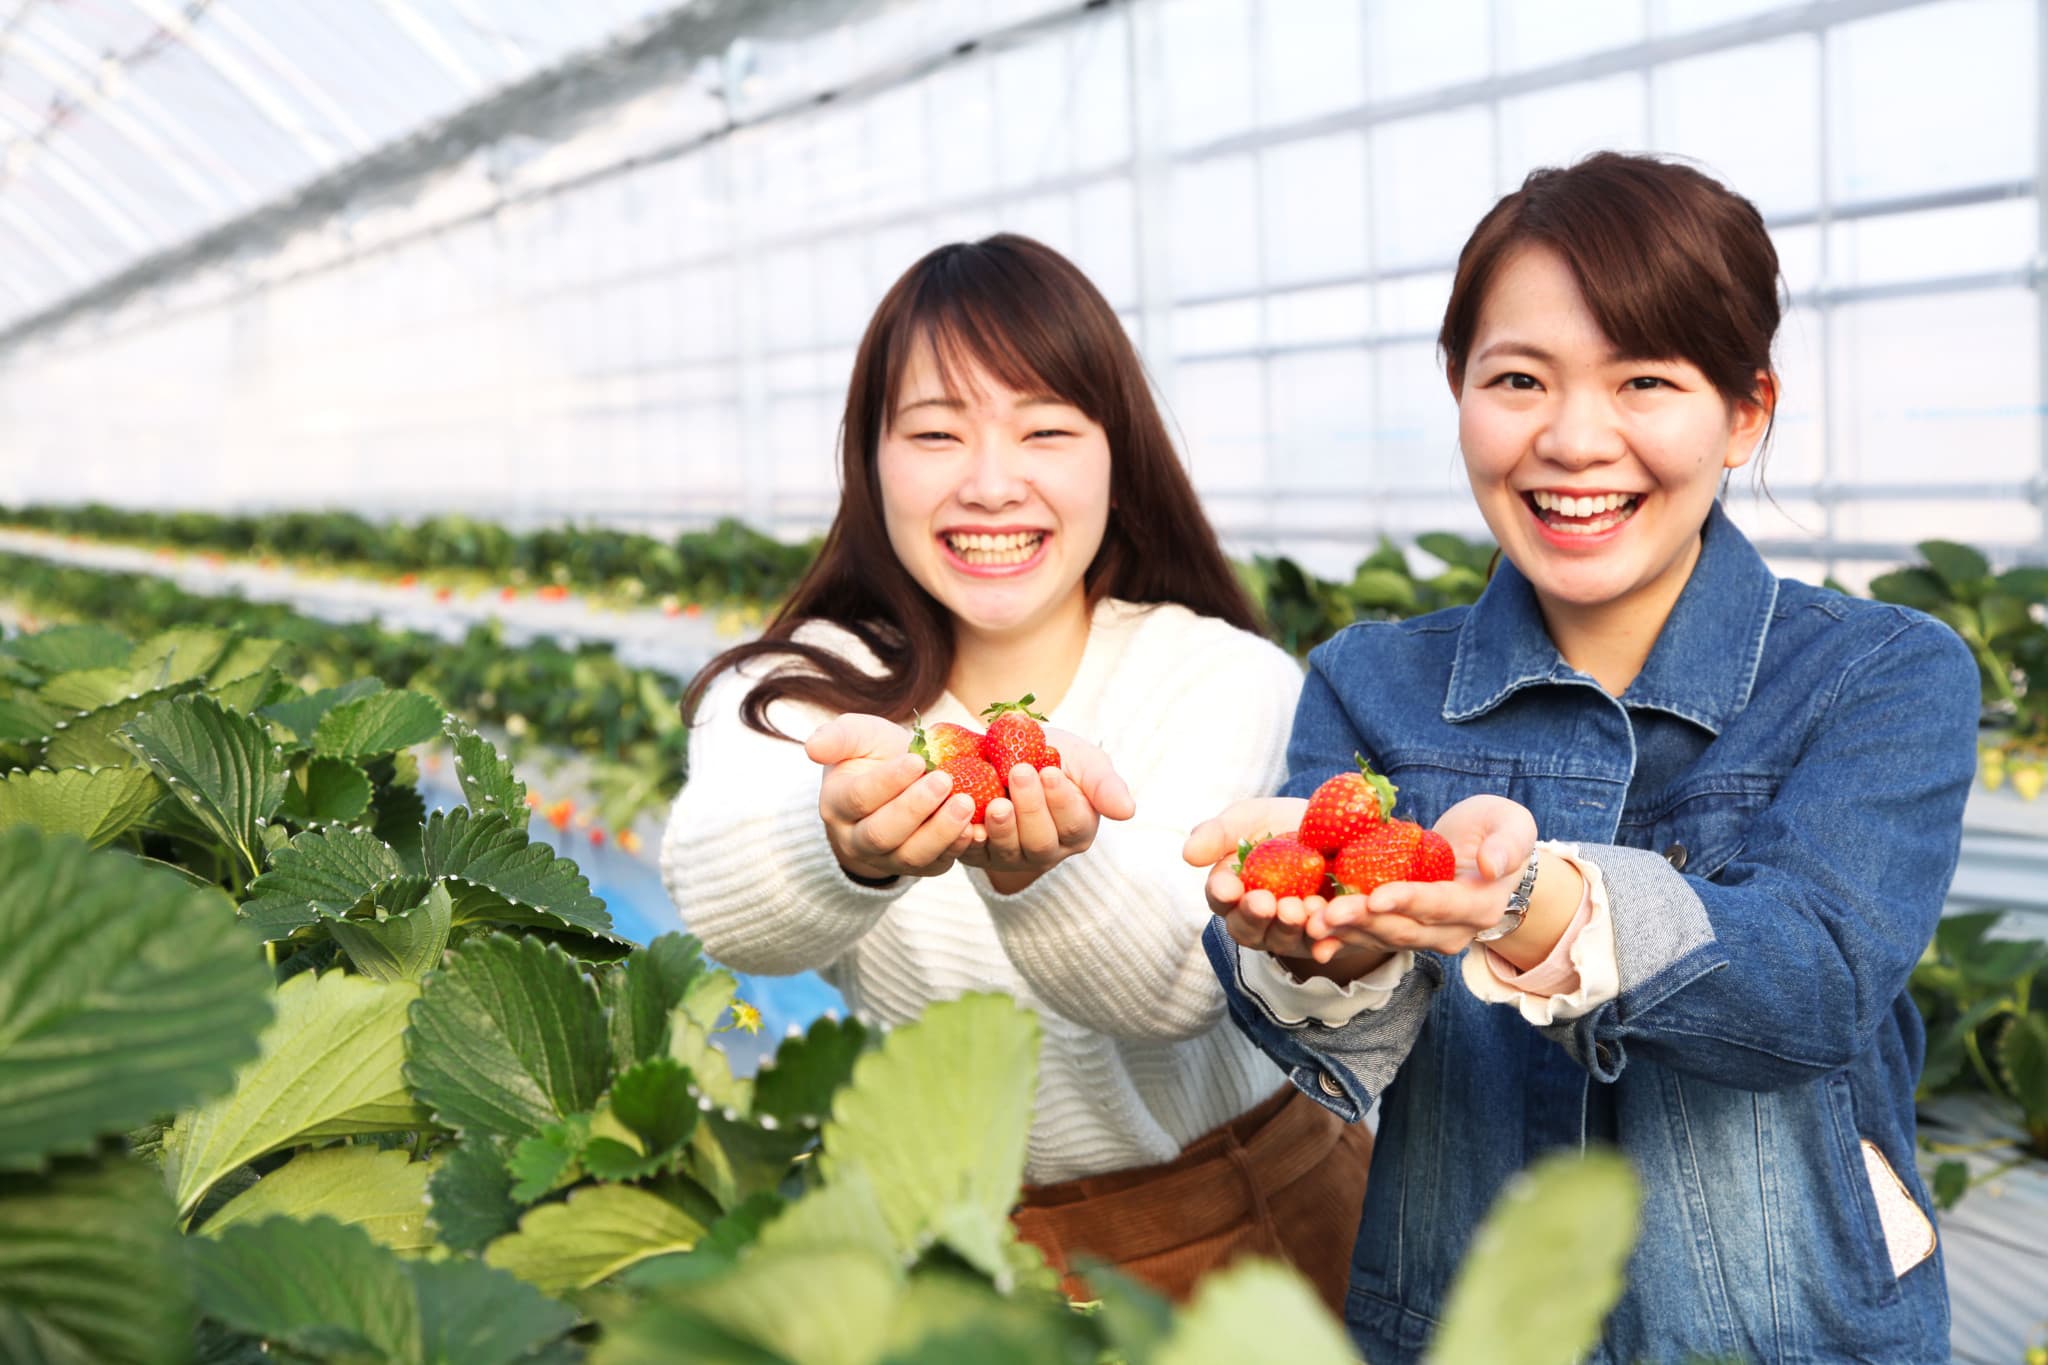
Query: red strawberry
point(1346, 808)
point(975, 777)
point(1052, 757)
point(943, 742)
point(1013, 736)
point(1282, 865)
point(1397, 851)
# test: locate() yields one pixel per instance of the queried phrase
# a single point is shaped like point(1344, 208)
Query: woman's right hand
point(885, 816)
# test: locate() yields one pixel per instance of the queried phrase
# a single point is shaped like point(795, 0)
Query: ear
point(1749, 419)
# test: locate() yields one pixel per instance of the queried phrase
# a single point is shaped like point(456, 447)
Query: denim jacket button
point(1329, 1085)
point(1675, 855)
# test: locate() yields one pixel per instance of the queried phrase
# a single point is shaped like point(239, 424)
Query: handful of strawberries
point(1346, 844)
point(979, 762)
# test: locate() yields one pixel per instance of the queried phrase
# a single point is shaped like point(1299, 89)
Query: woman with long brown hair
point(1014, 519)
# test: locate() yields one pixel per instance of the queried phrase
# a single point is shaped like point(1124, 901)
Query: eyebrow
point(1029, 400)
point(1529, 351)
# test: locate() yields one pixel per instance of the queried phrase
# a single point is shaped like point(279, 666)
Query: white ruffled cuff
point(1295, 1002)
point(1592, 953)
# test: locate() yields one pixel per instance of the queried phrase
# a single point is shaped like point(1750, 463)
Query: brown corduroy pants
point(1284, 1180)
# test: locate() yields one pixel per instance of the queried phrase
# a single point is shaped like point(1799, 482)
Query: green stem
point(1984, 1072)
point(1966, 1148)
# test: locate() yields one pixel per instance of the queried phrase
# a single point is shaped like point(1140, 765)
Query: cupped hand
point(1051, 814)
point(884, 815)
point(1491, 838)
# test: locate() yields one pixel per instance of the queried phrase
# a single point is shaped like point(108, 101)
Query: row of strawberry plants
point(584, 700)
point(292, 1070)
point(730, 563)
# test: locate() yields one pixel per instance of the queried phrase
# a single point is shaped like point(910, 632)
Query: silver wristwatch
point(1518, 904)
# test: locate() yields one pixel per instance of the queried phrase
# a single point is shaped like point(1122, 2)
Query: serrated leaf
point(487, 779)
point(177, 655)
point(246, 657)
point(1573, 1210)
point(471, 1314)
point(549, 1159)
point(798, 1083)
point(850, 1300)
point(843, 1213)
point(330, 1066)
point(327, 791)
point(97, 806)
point(124, 993)
point(641, 993)
point(469, 1198)
point(88, 689)
point(92, 1268)
point(1259, 1310)
point(312, 1283)
point(26, 719)
point(381, 723)
point(382, 1192)
point(398, 817)
point(654, 1101)
point(219, 763)
point(508, 1038)
point(597, 1232)
point(320, 874)
point(302, 715)
point(710, 1069)
point(251, 693)
point(398, 932)
point(2023, 1063)
point(62, 649)
point(938, 1115)
point(513, 880)
point(93, 740)
point(736, 1157)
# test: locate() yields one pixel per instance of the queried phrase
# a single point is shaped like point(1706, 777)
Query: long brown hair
point(1028, 317)
point(1672, 264)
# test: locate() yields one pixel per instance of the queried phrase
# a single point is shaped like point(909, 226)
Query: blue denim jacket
point(1810, 754)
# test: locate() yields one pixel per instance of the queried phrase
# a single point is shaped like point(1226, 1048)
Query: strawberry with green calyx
point(1346, 808)
point(1397, 851)
point(1014, 736)
point(973, 776)
point(1281, 864)
point(943, 742)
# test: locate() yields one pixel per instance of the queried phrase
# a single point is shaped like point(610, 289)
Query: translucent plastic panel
point(846, 291)
point(1047, 217)
point(1433, 179)
point(1976, 521)
point(1557, 127)
point(1765, 145)
point(1932, 97)
point(1209, 84)
point(1938, 388)
point(2004, 235)
point(1680, 16)
point(784, 284)
point(960, 114)
point(1309, 316)
point(1796, 454)
point(1104, 247)
point(1098, 111)
point(1214, 225)
point(1311, 58)
point(1221, 408)
point(898, 139)
point(1313, 195)
point(1321, 404)
point(1415, 422)
point(1414, 304)
point(1212, 328)
point(1033, 141)
point(1540, 34)
point(1412, 48)
point(1798, 257)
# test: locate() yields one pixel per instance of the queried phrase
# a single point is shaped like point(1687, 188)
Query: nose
point(994, 477)
point(1584, 430)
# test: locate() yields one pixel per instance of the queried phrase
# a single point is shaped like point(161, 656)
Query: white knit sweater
point(1138, 1056)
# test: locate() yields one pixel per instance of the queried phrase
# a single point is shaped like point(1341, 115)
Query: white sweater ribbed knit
point(1138, 1056)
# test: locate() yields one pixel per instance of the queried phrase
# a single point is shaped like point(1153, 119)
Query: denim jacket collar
point(1701, 668)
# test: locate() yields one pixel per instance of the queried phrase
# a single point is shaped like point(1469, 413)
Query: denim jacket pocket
point(1700, 831)
point(1866, 1261)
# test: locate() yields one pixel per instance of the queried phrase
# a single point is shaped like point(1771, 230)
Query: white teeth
point(1566, 505)
point(1012, 548)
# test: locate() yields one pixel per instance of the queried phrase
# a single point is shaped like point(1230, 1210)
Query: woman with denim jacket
point(1750, 792)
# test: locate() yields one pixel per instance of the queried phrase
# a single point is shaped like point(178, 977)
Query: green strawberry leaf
point(736, 1158)
point(550, 1159)
point(321, 874)
point(309, 1286)
point(1259, 1310)
point(797, 1084)
point(1951, 1182)
point(88, 689)
point(327, 791)
point(382, 1192)
point(471, 1314)
point(487, 779)
point(330, 1066)
point(1961, 568)
point(180, 654)
point(381, 723)
point(219, 763)
point(469, 1196)
point(2023, 1063)
point(92, 1268)
point(64, 649)
point(398, 931)
point(743, 1317)
point(124, 993)
point(97, 806)
point(510, 878)
point(508, 1038)
point(641, 993)
point(93, 740)
point(597, 1232)
point(302, 715)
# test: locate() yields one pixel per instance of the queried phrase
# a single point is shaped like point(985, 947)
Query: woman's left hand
point(1050, 815)
point(1491, 837)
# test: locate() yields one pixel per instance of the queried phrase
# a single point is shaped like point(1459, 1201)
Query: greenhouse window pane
point(1215, 227)
point(1313, 194)
point(1311, 58)
point(897, 141)
point(1433, 178)
point(1413, 304)
point(960, 115)
point(784, 284)
point(1209, 328)
point(1765, 145)
point(1221, 408)
point(1415, 422)
point(1322, 408)
point(2004, 235)
point(1099, 95)
point(1798, 257)
point(1208, 82)
point(1047, 217)
point(1412, 48)
point(1925, 386)
point(1796, 454)
point(1683, 16)
point(1557, 127)
point(1309, 316)
point(1033, 141)
point(1932, 97)
point(1104, 247)
point(1540, 34)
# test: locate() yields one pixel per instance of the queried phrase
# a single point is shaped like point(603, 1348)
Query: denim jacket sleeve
point(1782, 967)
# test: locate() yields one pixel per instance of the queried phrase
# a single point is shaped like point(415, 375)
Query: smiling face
point(994, 500)
point(1594, 470)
